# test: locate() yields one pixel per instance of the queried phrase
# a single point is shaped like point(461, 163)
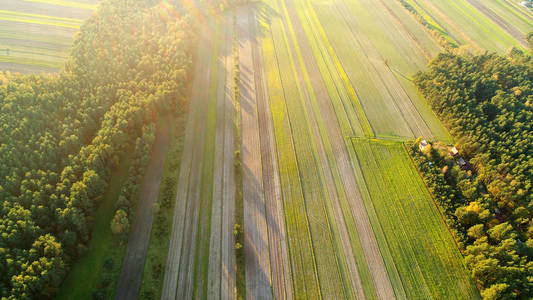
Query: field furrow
point(227, 276)
point(277, 238)
point(301, 253)
point(469, 24)
point(509, 28)
point(214, 265)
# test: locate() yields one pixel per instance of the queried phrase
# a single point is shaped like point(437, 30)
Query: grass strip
point(157, 253)
point(105, 251)
point(206, 189)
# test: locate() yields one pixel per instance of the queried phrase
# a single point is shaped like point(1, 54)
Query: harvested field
point(201, 259)
point(257, 261)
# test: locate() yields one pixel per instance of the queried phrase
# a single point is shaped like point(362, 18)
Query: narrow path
point(189, 172)
point(257, 262)
point(277, 238)
point(131, 274)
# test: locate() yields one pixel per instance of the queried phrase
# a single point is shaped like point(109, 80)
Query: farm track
point(510, 29)
point(257, 261)
point(277, 239)
point(131, 274)
point(189, 175)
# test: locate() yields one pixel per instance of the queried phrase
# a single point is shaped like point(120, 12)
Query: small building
point(423, 145)
point(454, 151)
point(462, 163)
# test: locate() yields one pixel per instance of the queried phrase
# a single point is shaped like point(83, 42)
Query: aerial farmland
point(275, 149)
point(37, 35)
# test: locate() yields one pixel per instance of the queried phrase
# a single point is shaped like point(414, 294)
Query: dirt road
point(131, 274)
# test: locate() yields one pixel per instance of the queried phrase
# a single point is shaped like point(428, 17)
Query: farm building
point(462, 163)
point(423, 145)
point(454, 151)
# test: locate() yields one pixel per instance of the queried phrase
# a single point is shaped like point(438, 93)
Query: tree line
point(485, 101)
point(61, 136)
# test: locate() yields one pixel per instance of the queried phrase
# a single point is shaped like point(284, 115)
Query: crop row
point(331, 131)
point(429, 263)
point(464, 21)
point(310, 174)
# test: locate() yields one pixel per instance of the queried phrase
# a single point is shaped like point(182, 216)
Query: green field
point(423, 250)
point(35, 35)
point(468, 25)
point(336, 76)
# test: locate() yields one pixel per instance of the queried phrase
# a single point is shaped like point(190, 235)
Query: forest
point(485, 101)
point(63, 135)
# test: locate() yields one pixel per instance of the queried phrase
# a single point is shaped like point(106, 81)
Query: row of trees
point(61, 136)
point(485, 102)
point(120, 223)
